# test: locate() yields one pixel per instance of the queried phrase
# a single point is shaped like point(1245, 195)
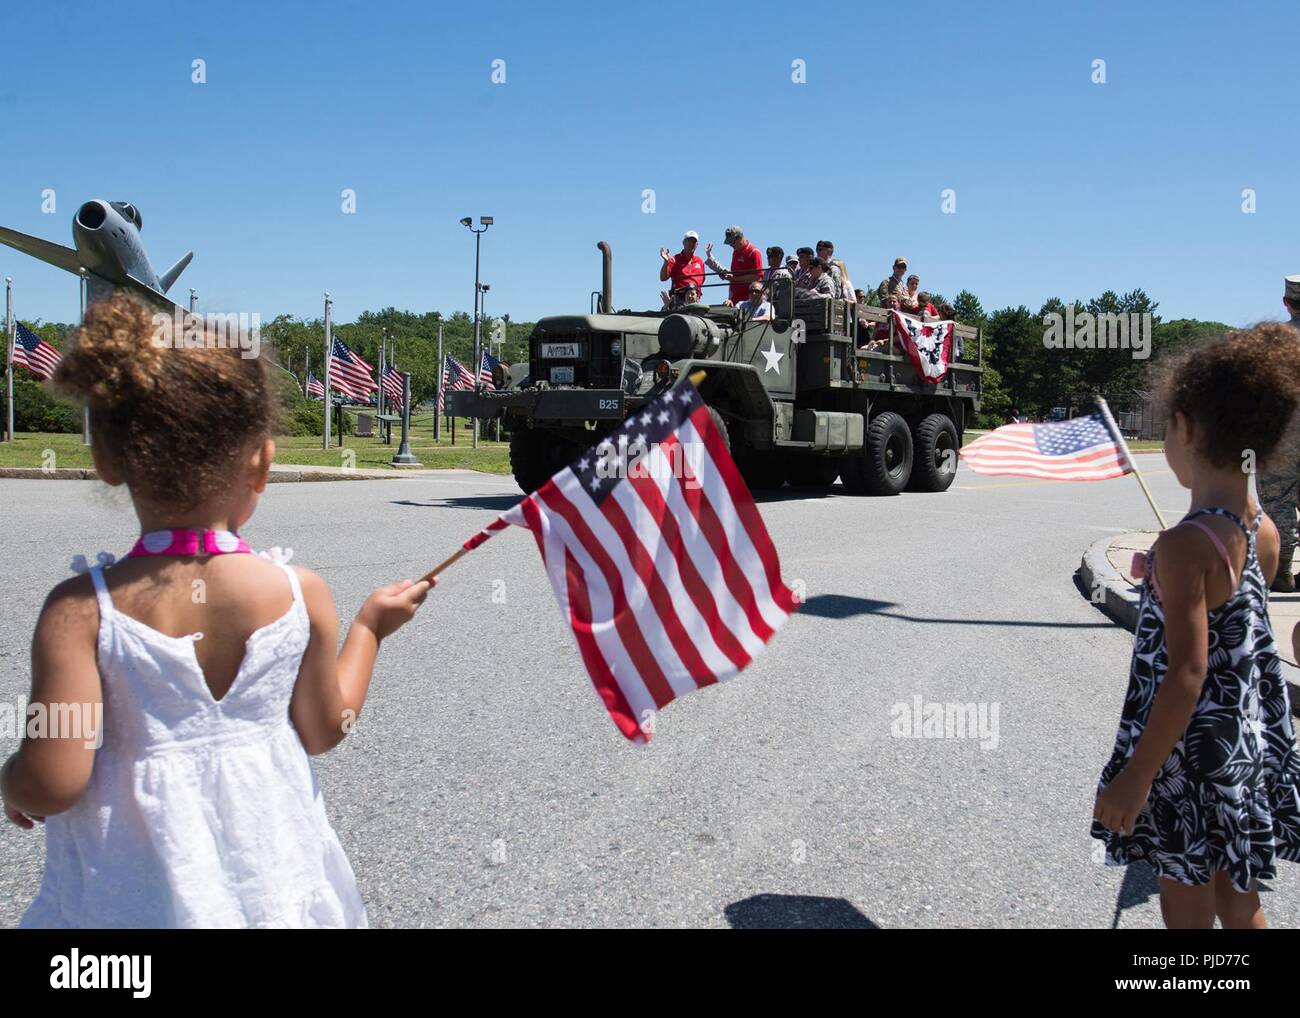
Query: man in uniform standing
point(1278, 484)
point(895, 285)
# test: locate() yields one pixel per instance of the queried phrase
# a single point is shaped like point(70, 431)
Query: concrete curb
point(1114, 595)
point(1105, 588)
point(277, 476)
point(41, 474)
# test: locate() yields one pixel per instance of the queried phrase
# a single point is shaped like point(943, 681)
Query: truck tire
point(935, 464)
point(885, 463)
point(531, 458)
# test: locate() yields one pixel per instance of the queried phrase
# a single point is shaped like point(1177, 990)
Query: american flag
point(454, 376)
point(391, 383)
point(314, 388)
point(485, 370)
point(349, 374)
point(34, 354)
point(658, 558)
point(1080, 449)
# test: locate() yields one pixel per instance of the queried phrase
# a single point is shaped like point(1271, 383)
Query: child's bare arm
point(49, 773)
point(332, 690)
point(1182, 560)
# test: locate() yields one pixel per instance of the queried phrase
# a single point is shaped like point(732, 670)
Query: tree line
point(1024, 375)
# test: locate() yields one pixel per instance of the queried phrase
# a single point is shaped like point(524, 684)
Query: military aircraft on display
point(108, 249)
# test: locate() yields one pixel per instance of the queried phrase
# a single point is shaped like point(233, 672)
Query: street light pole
point(484, 223)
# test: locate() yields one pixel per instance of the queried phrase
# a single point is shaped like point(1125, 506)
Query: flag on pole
point(34, 354)
point(455, 376)
point(314, 388)
point(391, 382)
point(485, 370)
point(1080, 449)
point(658, 558)
point(349, 374)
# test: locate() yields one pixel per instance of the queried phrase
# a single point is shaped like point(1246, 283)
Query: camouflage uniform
point(1279, 487)
point(891, 286)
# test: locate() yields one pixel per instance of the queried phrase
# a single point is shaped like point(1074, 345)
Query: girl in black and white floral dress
point(1203, 781)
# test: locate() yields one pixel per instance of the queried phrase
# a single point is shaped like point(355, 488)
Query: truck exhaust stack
point(606, 279)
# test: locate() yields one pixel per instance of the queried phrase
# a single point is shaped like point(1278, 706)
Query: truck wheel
point(936, 454)
point(885, 464)
point(531, 458)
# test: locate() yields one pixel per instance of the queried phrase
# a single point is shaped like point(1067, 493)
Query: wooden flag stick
point(432, 574)
point(1128, 456)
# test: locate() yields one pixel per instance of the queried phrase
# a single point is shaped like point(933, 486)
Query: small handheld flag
point(658, 558)
point(1080, 449)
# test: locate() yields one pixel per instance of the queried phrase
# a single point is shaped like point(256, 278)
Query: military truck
point(802, 398)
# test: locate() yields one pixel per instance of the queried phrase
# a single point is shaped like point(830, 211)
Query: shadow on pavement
point(1140, 885)
point(795, 912)
point(497, 502)
point(843, 606)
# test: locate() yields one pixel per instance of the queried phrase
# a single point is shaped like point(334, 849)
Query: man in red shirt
point(685, 268)
point(746, 264)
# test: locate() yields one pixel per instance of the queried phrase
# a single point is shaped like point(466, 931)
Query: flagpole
point(306, 373)
point(1118, 437)
point(439, 404)
point(328, 352)
point(85, 411)
point(383, 352)
point(10, 339)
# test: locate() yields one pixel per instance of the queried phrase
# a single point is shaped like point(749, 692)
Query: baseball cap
point(900, 260)
point(692, 234)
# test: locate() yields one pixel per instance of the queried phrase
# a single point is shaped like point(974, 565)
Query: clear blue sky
point(1064, 187)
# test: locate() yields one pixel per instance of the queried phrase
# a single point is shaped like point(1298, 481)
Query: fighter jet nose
point(91, 215)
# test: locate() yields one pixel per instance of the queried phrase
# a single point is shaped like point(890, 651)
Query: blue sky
point(1063, 187)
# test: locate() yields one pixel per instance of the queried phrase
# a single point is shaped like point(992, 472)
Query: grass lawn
point(55, 451)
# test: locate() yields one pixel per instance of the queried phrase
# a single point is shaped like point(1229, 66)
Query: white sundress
point(199, 812)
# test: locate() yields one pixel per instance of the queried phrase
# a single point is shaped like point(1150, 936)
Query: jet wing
point(148, 294)
point(55, 254)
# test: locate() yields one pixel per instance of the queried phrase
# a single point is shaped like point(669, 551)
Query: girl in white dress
point(214, 672)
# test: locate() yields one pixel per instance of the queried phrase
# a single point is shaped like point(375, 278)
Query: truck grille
point(595, 368)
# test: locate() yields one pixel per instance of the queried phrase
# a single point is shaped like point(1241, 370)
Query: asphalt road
point(484, 785)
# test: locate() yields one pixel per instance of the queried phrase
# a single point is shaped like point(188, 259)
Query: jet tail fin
point(172, 274)
point(55, 254)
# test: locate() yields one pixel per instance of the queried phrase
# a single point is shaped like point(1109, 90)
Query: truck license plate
point(562, 375)
point(561, 351)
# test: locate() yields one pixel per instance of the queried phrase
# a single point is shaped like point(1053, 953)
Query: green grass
point(66, 451)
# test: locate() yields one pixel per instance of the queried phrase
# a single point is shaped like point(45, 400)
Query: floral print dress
point(1226, 799)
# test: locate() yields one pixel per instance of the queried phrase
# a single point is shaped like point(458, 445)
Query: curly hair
point(1240, 390)
point(172, 410)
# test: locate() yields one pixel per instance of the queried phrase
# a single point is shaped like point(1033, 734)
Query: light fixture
point(485, 220)
point(467, 221)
